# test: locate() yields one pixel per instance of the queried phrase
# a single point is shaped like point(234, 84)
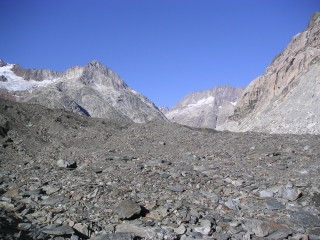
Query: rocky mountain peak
point(2, 63)
point(94, 73)
point(206, 108)
point(313, 19)
point(91, 90)
point(95, 64)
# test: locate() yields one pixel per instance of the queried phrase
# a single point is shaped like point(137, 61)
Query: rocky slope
point(93, 90)
point(66, 176)
point(285, 99)
point(207, 108)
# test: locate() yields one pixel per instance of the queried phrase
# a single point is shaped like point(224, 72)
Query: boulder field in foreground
point(66, 176)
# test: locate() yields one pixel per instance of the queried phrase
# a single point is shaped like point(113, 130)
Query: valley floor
point(65, 176)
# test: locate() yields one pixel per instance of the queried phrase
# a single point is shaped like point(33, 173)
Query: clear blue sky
point(163, 49)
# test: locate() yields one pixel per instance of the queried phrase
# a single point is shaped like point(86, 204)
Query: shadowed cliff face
point(93, 90)
point(281, 99)
point(207, 108)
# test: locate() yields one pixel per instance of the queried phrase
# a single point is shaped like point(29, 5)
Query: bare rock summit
point(207, 108)
point(92, 90)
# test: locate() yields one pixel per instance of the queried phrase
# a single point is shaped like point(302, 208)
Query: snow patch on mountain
point(16, 83)
point(202, 102)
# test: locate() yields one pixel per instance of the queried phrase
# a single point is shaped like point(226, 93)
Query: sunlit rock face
point(91, 90)
point(286, 98)
point(207, 108)
point(163, 109)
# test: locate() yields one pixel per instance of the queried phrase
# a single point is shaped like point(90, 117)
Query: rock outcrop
point(285, 99)
point(207, 108)
point(93, 90)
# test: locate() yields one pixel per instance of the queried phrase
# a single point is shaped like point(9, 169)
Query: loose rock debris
point(64, 176)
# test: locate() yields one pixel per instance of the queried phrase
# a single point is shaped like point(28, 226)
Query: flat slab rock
point(274, 204)
point(53, 200)
point(58, 230)
point(127, 209)
point(305, 219)
point(177, 188)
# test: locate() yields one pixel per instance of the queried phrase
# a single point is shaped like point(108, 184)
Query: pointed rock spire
point(313, 19)
point(2, 63)
point(95, 64)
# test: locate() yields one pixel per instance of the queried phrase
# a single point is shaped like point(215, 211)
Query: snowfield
point(202, 102)
point(16, 83)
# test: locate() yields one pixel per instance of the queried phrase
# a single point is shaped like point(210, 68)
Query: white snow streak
point(202, 102)
point(233, 103)
point(16, 83)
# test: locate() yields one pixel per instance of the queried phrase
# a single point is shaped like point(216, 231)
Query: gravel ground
point(65, 176)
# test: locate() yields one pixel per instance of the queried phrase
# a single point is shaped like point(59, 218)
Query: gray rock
point(193, 219)
point(6, 205)
point(74, 237)
point(137, 229)
point(180, 230)
point(82, 228)
point(280, 234)
point(206, 222)
point(24, 226)
point(176, 188)
point(67, 163)
point(175, 174)
point(261, 228)
point(204, 230)
point(305, 219)
point(237, 182)
point(315, 231)
point(316, 199)
point(233, 204)
point(128, 209)
point(2, 63)
point(56, 229)
point(250, 188)
point(199, 168)
point(266, 194)
point(3, 79)
point(50, 189)
point(289, 193)
point(211, 195)
point(52, 200)
point(274, 204)
point(116, 236)
point(190, 156)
